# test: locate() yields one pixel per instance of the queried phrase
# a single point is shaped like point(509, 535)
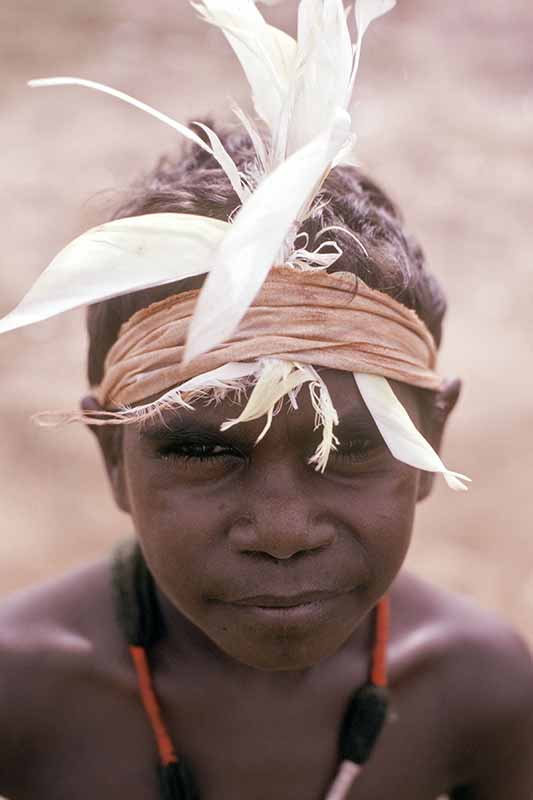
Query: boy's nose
point(282, 524)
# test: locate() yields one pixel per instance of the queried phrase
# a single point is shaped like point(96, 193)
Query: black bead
point(176, 782)
point(363, 722)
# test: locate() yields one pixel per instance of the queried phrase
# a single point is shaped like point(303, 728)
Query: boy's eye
point(355, 452)
point(199, 451)
point(198, 457)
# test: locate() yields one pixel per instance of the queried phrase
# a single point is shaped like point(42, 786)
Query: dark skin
point(253, 684)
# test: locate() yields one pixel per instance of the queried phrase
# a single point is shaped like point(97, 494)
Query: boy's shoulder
point(474, 663)
point(54, 638)
point(66, 617)
point(430, 623)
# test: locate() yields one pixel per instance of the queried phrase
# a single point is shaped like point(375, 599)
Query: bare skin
point(254, 697)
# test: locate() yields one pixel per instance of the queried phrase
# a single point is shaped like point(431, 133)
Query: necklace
point(142, 624)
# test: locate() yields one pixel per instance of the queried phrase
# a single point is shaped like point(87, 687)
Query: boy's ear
point(436, 414)
point(109, 438)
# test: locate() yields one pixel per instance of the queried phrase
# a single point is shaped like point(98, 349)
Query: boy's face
point(274, 562)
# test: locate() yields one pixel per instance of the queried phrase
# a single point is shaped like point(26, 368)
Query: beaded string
point(367, 711)
point(142, 624)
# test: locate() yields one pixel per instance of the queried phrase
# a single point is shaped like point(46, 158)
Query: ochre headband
point(309, 317)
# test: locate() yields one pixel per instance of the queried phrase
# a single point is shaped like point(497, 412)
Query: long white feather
point(119, 257)
point(252, 245)
point(217, 149)
point(402, 438)
point(226, 162)
point(327, 63)
point(267, 54)
point(324, 71)
point(126, 98)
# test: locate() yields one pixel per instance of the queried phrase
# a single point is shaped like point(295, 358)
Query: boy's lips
point(288, 600)
point(302, 610)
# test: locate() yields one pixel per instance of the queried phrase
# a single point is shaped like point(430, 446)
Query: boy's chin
point(286, 639)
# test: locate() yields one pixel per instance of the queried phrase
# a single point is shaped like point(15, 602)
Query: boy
point(250, 608)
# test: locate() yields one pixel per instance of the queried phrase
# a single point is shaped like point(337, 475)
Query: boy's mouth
point(302, 610)
point(287, 601)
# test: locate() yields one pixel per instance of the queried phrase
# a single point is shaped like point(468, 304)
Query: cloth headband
point(300, 320)
point(311, 317)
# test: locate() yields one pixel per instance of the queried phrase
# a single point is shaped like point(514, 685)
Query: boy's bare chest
point(108, 751)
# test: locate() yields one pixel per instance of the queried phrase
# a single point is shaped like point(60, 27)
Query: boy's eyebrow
point(356, 425)
point(174, 426)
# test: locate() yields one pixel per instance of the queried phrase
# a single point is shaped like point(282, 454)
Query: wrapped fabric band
point(309, 317)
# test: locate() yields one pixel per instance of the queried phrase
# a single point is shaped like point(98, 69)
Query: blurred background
point(444, 113)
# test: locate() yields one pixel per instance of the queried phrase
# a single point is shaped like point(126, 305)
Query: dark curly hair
point(195, 184)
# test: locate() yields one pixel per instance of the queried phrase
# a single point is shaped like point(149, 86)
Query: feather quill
point(402, 438)
point(120, 257)
point(256, 238)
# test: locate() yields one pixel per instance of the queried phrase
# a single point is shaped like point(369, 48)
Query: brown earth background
point(445, 118)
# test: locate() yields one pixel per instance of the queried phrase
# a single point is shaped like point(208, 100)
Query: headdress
point(268, 313)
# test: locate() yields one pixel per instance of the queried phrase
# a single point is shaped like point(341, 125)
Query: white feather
point(402, 438)
point(267, 54)
point(252, 245)
point(324, 71)
point(120, 257)
point(221, 376)
point(276, 379)
point(327, 64)
point(126, 98)
point(257, 142)
point(366, 11)
point(215, 383)
point(326, 417)
point(226, 162)
point(217, 149)
point(348, 155)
